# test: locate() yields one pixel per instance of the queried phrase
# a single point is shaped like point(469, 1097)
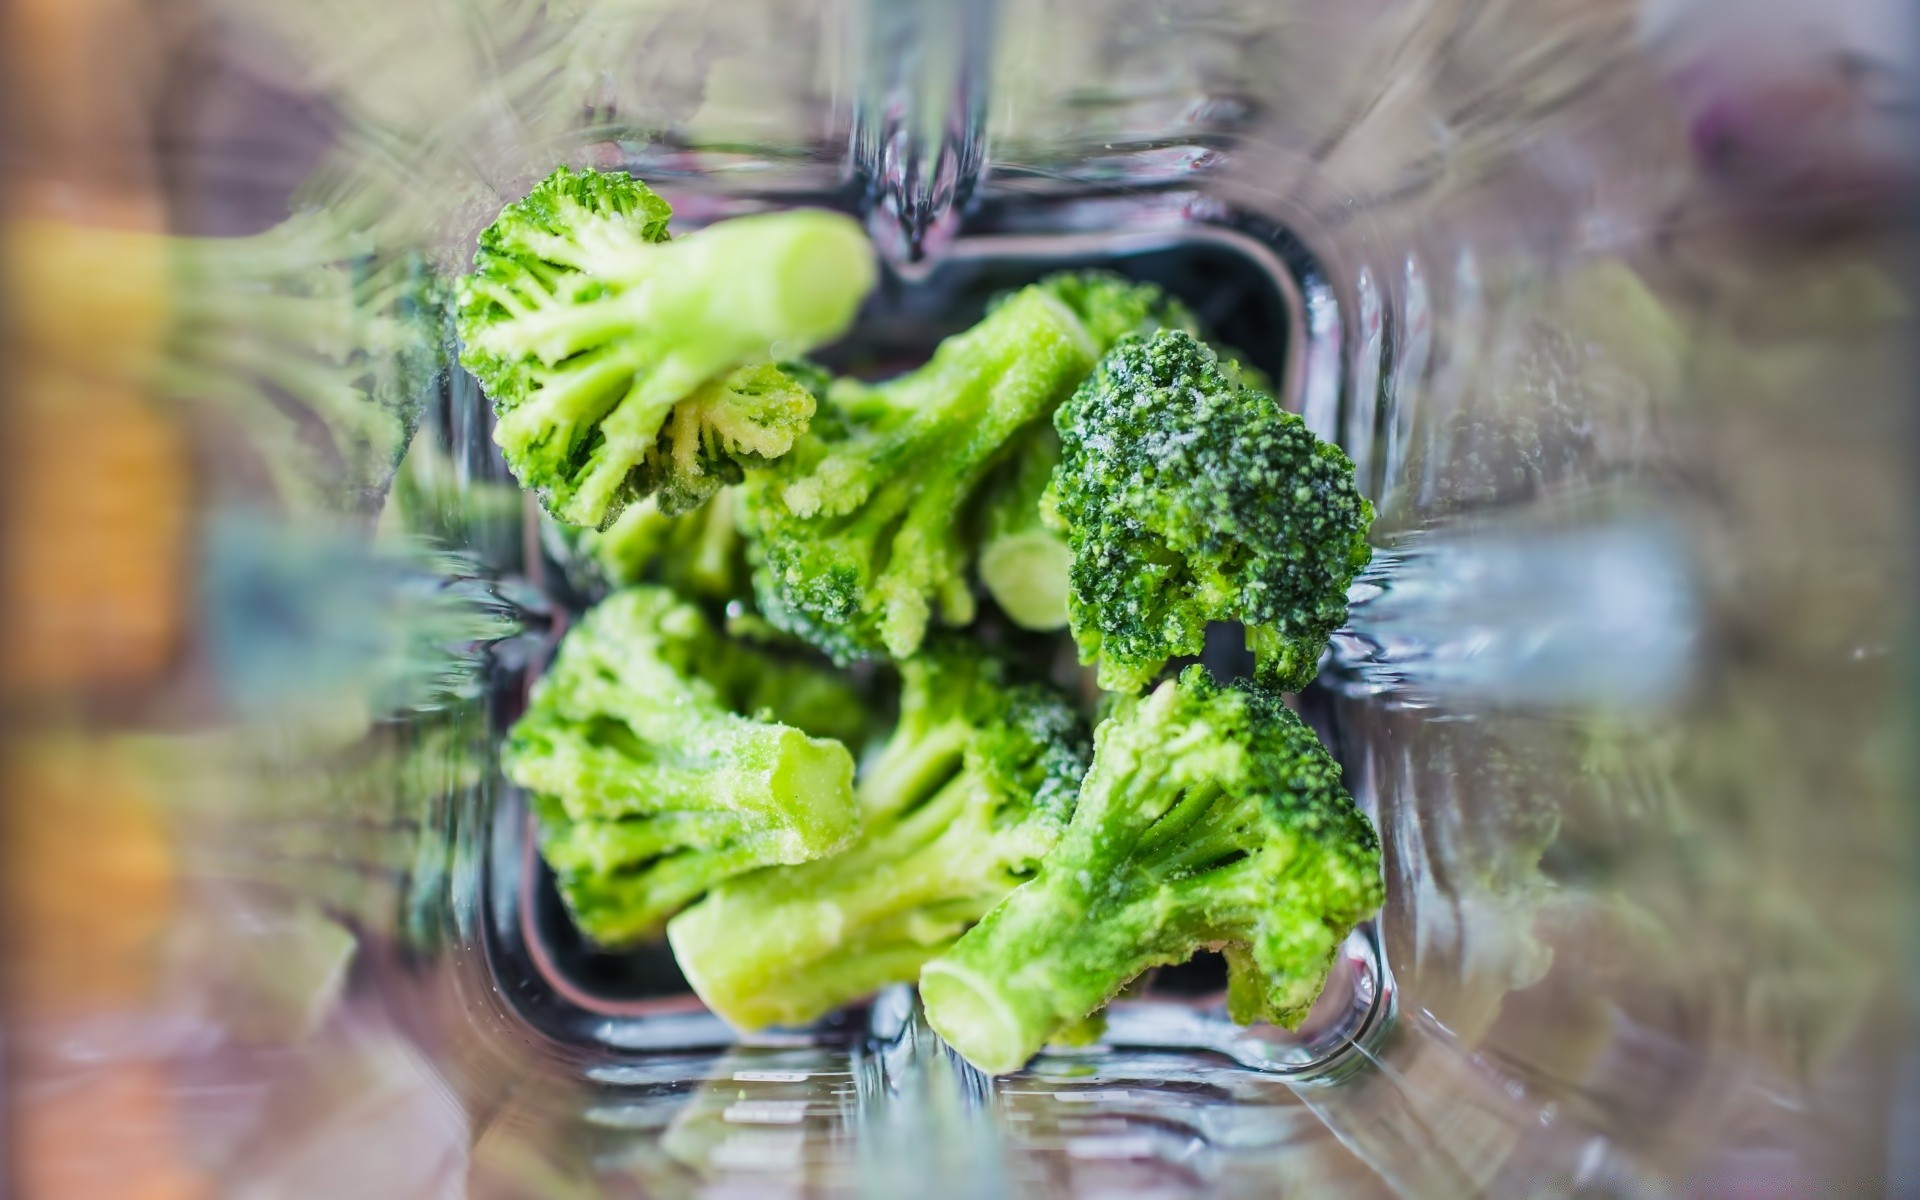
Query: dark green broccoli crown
point(1190, 498)
point(1210, 816)
point(1038, 749)
point(815, 575)
point(816, 592)
point(1299, 781)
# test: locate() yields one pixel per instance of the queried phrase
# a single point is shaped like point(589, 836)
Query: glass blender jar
point(1603, 299)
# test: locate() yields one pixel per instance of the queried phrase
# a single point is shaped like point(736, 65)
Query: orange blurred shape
point(95, 504)
point(87, 882)
point(94, 532)
point(86, 284)
point(104, 1133)
point(88, 879)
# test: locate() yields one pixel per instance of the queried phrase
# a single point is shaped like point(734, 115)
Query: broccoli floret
point(1211, 816)
point(972, 789)
point(1189, 498)
point(861, 533)
point(650, 785)
point(699, 554)
point(1024, 558)
point(1112, 306)
point(622, 364)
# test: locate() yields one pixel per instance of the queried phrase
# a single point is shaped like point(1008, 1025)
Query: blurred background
point(1611, 301)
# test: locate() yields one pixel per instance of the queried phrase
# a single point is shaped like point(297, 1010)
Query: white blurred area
point(1794, 99)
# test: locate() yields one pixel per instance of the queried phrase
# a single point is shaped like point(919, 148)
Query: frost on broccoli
point(960, 805)
point(1211, 817)
point(1190, 498)
point(650, 785)
point(1024, 557)
point(860, 536)
point(622, 364)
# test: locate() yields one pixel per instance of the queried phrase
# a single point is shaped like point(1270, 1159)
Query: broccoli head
point(1112, 306)
point(1211, 817)
point(623, 364)
point(650, 785)
point(958, 807)
point(1024, 558)
point(1187, 498)
point(862, 532)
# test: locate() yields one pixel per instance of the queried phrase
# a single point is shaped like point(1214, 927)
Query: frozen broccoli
point(622, 364)
point(1211, 817)
point(1024, 560)
point(861, 533)
point(1112, 306)
point(699, 554)
point(1024, 556)
point(972, 789)
point(1188, 498)
point(650, 784)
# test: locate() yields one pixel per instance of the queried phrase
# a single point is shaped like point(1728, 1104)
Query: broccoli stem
point(1026, 573)
point(1056, 950)
point(909, 767)
point(649, 786)
point(1025, 563)
point(997, 1015)
point(786, 945)
point(601, 776)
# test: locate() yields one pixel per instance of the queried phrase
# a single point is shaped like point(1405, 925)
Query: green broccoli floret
point(699, 554)
point(622, 364)
point(1211, 817)
point(1188, 498)
point(1112, 306)
point(650, 785)
point(861, 533)
point(972, 789)
point(1024, 558)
